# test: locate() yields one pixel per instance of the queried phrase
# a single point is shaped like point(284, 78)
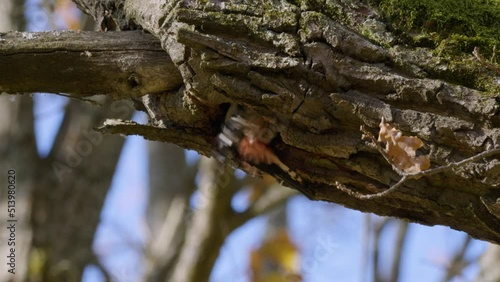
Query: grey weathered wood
point(121, 64)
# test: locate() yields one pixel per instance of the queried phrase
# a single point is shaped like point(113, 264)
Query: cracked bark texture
point(306, 67)
point(121, 65)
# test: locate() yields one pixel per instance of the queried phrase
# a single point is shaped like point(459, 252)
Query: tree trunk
point(65, 219)
point(17, 167)
point(171, 184)
point(310, 70)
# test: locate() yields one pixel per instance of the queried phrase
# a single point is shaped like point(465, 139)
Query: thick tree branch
point(121, 64)
point(171, 184)
point(207, 229)
point(309, 70)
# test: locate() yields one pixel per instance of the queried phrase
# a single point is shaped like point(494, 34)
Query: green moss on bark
point(452, 29)
point(462, 24)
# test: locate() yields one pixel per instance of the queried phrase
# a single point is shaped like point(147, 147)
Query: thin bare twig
point(406, 176)
point(377, 234)
point(273, 198)
point(483, 62)
point(458, 262)
point(397, 260)
point(365, 253)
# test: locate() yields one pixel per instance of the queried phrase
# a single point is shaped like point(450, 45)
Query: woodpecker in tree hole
point(245, 138)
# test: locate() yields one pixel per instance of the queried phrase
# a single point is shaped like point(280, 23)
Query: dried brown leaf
point(402, 149)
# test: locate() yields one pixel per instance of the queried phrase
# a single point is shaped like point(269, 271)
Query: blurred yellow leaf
point(277, 260)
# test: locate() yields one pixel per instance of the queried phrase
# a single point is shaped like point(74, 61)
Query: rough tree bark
point(113, 63)
point(306, 67)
